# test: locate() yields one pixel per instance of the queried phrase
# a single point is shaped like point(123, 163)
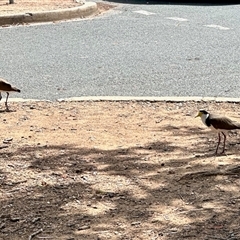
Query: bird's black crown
point(203, 111)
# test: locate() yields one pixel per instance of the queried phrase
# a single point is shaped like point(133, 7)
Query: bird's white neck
point(204, 117)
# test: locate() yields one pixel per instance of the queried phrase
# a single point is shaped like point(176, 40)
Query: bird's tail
point(237, 125)
point(16, 89)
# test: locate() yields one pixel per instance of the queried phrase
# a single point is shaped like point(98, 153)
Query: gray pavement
point(133, 50)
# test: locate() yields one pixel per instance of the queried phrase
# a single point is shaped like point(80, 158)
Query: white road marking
point(177, 19)
point(217, 27)
point(144, 12)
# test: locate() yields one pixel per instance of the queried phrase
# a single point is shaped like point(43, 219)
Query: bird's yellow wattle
point(199, 115)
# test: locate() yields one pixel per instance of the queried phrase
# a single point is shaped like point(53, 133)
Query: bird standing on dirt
point(6, 87)
point(221, 124)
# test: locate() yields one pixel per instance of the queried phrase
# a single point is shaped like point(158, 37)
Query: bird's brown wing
point(7, 87)
point(221, 122)
point(4, 85)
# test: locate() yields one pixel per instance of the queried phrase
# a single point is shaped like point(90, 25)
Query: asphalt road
point(133, 50)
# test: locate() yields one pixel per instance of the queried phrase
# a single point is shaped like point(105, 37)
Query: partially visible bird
point(221, 124)
point(6, 87)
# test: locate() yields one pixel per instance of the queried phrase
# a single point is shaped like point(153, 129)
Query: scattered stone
point(14, 219)
point(135, 223)
point(110, 194)
point(78, 171)
point(83, 227)
point(171, 172)
point(8, 139)
point(1, 147)
point(2, 225)
point(36, 219)
point(84, 178)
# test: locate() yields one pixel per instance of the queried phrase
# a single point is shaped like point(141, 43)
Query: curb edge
point(128, 98)
point(85, 10)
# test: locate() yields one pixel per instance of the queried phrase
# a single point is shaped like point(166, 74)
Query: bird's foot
point(9, 110)
point(221, 153)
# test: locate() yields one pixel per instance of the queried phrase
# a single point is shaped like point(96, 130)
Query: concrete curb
point(126, 98)
point(86, 10)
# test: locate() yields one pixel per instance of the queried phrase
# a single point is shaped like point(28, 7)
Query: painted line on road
point(144, 12)
point(177, 19)
point(217, 27)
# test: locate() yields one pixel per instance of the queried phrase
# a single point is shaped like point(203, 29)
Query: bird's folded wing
point(221, 122)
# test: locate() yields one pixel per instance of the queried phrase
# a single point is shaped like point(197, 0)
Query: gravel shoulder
point(31, 6)
point(23, 6)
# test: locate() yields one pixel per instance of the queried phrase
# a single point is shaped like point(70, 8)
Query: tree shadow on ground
point(160, 189)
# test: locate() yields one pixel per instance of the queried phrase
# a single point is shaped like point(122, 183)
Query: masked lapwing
point(218, 123)
point(6, 87)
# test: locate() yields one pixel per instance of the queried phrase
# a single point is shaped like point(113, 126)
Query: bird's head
point(202, 113)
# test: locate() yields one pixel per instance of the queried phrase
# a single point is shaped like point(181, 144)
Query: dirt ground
point(26, 6)
point(116, 170)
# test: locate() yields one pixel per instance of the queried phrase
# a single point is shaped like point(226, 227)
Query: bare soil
point(116, 170)
point(30, 6)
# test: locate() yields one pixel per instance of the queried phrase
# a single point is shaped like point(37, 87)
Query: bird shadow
point(7, 110)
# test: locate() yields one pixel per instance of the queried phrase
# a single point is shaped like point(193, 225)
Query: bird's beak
point(199, 115)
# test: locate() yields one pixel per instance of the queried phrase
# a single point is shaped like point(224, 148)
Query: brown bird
point(6, 87)
point(221, 124)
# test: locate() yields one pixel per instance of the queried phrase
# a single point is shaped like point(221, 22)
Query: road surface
point(132, 50)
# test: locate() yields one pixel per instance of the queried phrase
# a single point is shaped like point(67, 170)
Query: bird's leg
point(0, 96)
point(224, 140)
point(7, 109)
point(219, 139)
